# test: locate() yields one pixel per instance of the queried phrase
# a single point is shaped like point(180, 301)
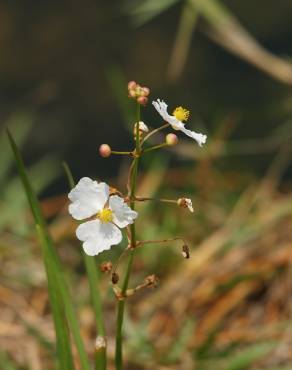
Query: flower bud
point(142, 100)
point(185, 203)
point(142, 127)
point(105, 150)
point(145, 91)
point(171, 139)
point(185, 251)
point(132, 94)
point(132, 85)
point(106, 267)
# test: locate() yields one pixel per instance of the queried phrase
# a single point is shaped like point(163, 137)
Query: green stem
point(154, 132)
point(121, 304)
point(155, 147)
point(120, 153)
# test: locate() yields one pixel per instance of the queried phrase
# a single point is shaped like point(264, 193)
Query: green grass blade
point(94, 283)
point(62, 335)
point(57, 286)
point(229, 33)
point(117, 82)
point(245, 358)
point(182, 43)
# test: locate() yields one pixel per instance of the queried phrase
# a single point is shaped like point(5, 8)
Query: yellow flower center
point(181, 113)
point(105, 215)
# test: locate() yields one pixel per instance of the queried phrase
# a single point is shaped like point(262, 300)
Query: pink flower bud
point(142, 100)
point(132, 94)
point(132, 85)
point(105, 150)
point(145, 91)
point(171, 139)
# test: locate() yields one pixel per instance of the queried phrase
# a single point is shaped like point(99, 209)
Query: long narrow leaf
point(62, 335)
point(59, 296)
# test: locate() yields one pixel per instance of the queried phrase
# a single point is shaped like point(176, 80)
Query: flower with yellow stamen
point(179, 114)
point(90, 198)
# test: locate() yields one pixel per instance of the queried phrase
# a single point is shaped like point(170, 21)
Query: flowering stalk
point(105, 210)
point(121, 304)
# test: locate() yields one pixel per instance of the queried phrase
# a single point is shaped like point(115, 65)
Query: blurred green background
point(64, 69)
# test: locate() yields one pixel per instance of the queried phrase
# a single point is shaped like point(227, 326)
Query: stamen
point(181, 113)
point(105, 215)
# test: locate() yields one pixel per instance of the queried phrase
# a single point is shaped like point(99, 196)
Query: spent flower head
point(92, 199)
point(180, 114)
point(185, 203)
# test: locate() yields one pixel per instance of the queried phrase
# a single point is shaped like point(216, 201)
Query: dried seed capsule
point(185, 251)
point(115, 278)
point(106, 266)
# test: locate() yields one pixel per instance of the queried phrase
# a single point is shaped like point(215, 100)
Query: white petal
point(110, 233)
point(143, 127)
point(200, 138)
point(189, 204)
point(123, 214)
point(98, 236)
point(161, 108)
point(87, 198)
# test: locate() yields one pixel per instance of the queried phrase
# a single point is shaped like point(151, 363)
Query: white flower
point(90, 198)
point(180, 114)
